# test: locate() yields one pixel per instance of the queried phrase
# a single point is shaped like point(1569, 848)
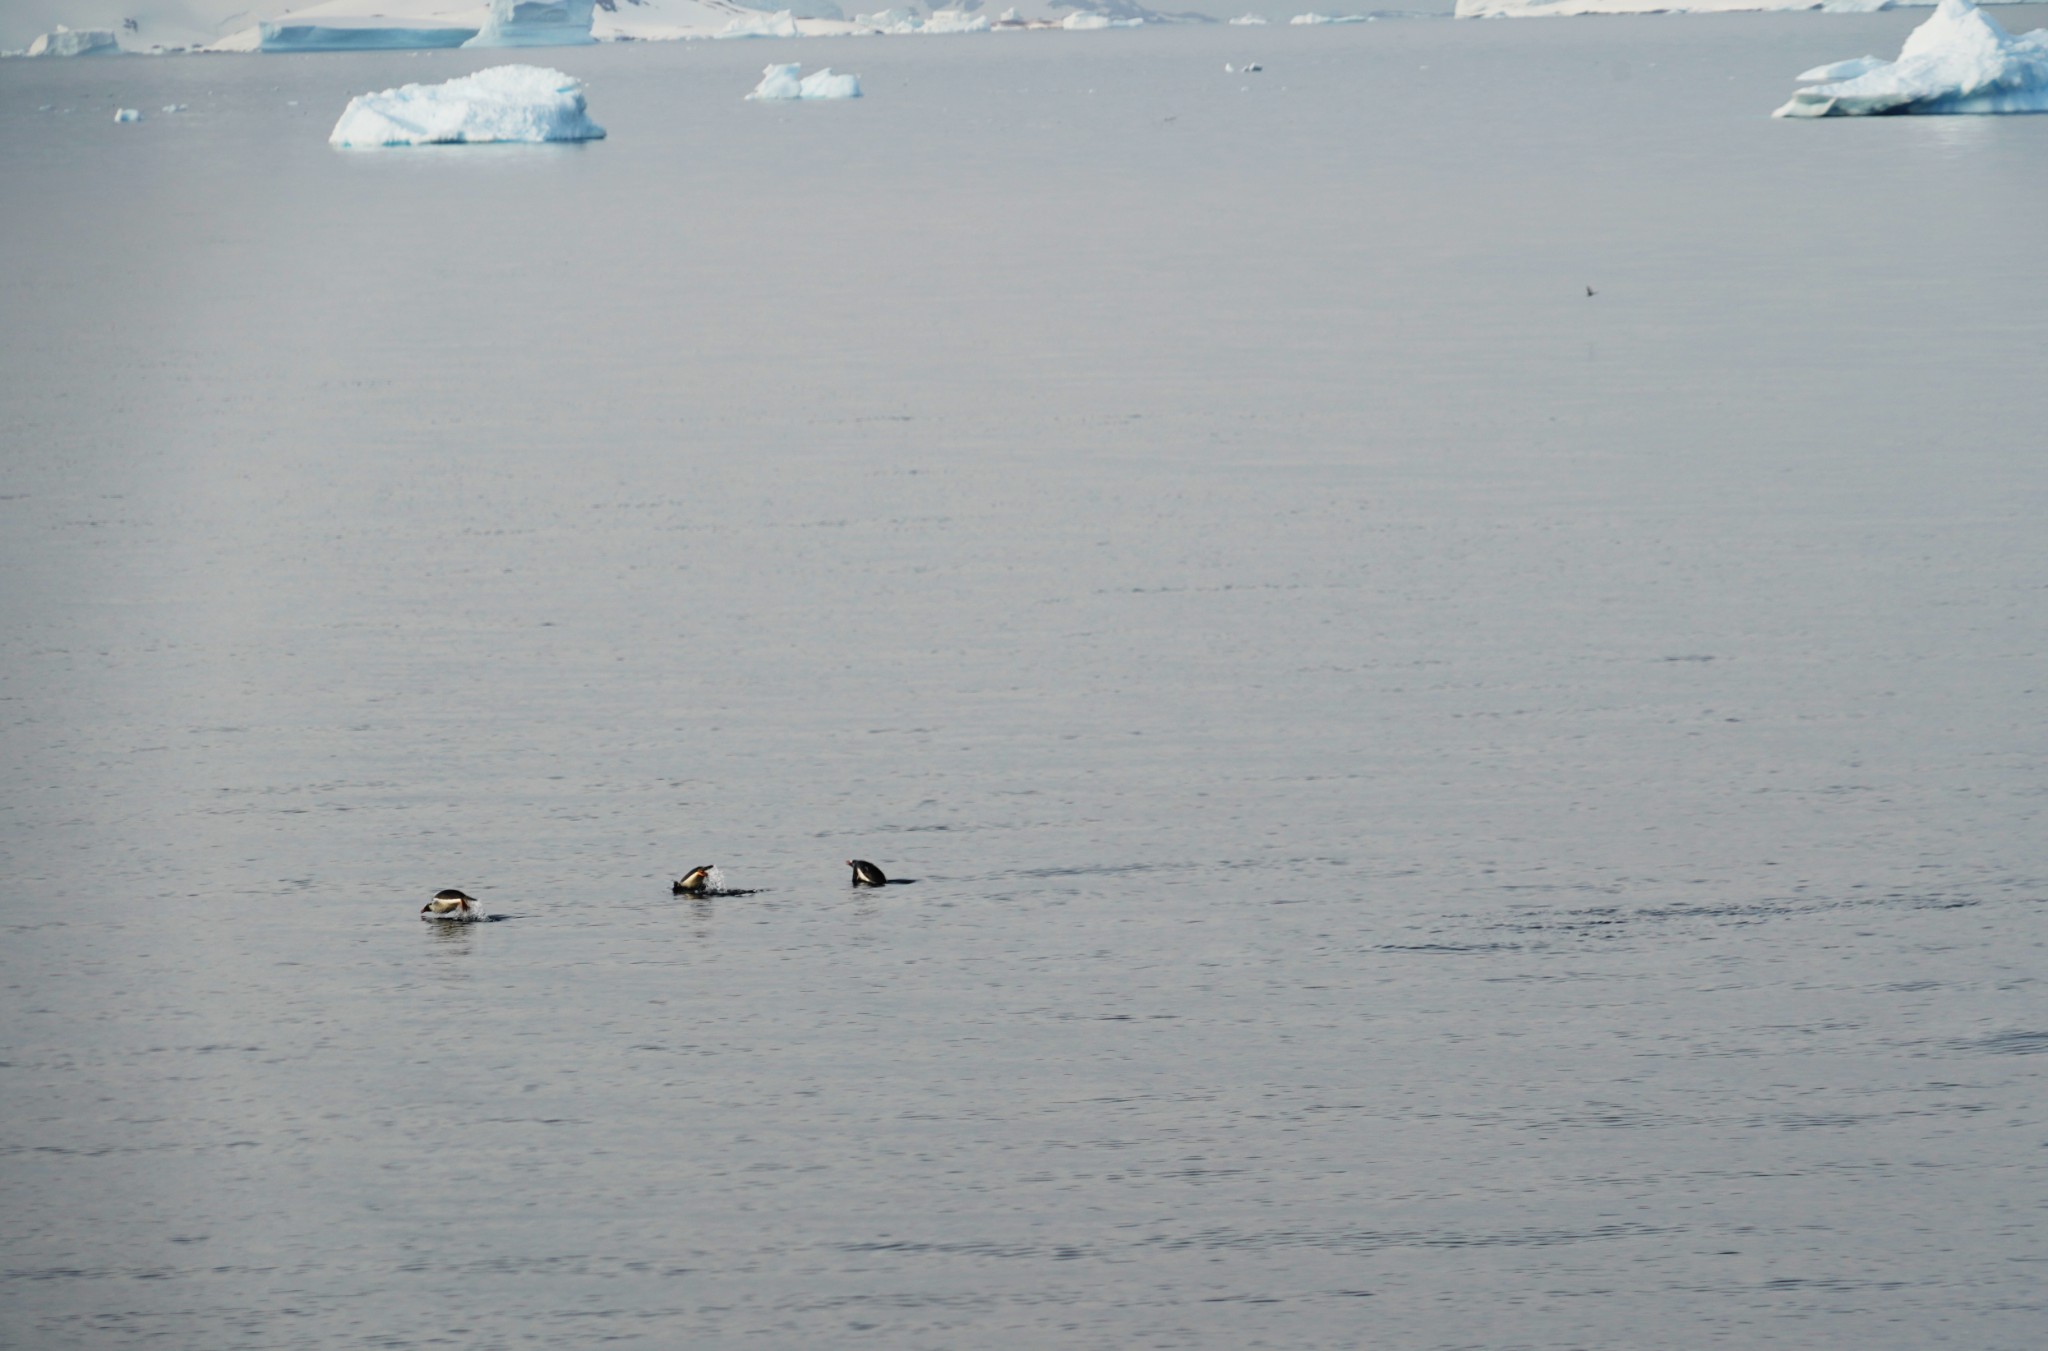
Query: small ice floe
point(76, 42)
point(781, 24)
point(127, 114)
point(1249, 21)
point(174, 107)
point(1312, 19)
point(1248, 68)
point(1842, 70)
point(1959, 61)
point(780, 83)
point(504, 103)
point(536, 23)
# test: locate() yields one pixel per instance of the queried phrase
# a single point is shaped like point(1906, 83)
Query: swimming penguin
point(695, 883)
point(449, 903)
point(866, 874)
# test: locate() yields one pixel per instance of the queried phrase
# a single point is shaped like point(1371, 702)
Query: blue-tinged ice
point(340, 35)
point(536, 23)
point(76, 42)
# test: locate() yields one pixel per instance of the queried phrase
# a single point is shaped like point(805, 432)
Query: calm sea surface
point(1445, 811)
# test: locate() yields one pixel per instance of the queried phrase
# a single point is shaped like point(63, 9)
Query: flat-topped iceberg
point(536, 23)
point(1959, 61)
point(76, 42)
point(504, 103)
point(342, 35)
point(782, 83)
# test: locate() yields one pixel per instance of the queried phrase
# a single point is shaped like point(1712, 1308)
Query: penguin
point(866, 874)
point(449, 904)
point(695, 883)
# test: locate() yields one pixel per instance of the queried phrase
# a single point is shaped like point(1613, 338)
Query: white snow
point(782, 83)
point(1249, 21)
point(1842, 70)
point(1312, 19)
point(504, 103)
point(1081, 21)
point(536, 23)
point(1959, 61)
point(127, 114)
point(76, 42)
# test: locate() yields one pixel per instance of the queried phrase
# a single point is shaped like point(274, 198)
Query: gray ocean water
point(1443, 811)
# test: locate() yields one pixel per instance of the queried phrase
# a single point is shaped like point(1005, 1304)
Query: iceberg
point(342, 36)
point(1959, 61)
point(536, 23)
point(76, 42)
point(1081, 21)
point(781, 83)
point(504, 103)
point(1312, 19)
point(954, 21)
point(781, 24)
point(127, 114)
point(898, 22)
point(1248, 21)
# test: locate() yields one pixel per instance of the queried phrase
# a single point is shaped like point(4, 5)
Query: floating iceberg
point(954, 21)
point(127, 114)
point(1081, 21)
point(1959, 61)
point(343, 36)
point(1313, 18)
point(504, 103)
point(781, 82)
point(897, 22)
point(536, 23)
point(76, 42)
point(781, 24)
